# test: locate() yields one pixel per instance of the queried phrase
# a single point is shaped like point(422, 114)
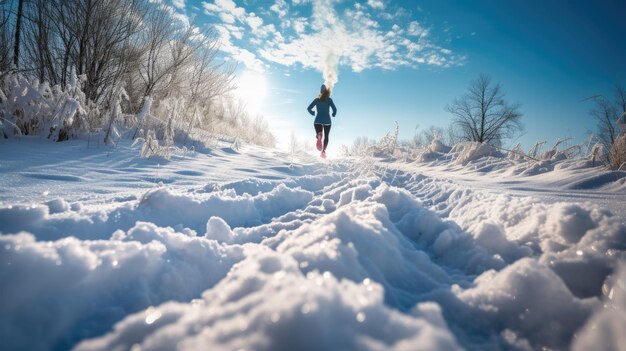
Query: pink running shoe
point(323, 154)
point(319, 142)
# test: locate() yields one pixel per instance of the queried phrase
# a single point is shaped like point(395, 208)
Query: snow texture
point(228, 251)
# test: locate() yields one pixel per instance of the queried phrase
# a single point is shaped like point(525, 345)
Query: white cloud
point(227, 7)
point(400, 14)
point(416, 29)
point(254, 21)
point(230, 14)
point(299, 24)
point(233, 30)
point(209, 8)
point(376, 4)
point(227, 17)
point(280, 7)
point(179, 4)
point(248, 58)
point(355, 38)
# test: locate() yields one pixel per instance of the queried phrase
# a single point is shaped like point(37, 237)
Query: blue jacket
point(322, 108)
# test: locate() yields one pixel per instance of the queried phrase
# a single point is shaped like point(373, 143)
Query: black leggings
point(318, 129)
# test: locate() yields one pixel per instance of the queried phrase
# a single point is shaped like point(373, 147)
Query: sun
point(252, 90)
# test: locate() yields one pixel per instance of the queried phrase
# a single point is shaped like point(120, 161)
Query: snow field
point(552, 172)
point(352, 262)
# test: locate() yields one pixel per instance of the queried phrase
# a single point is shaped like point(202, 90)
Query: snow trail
point(245, 250)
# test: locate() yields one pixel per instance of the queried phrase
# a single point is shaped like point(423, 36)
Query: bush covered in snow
point(470, 151)
point(121, 68)
point(387, 146)
point(484, 157)
point(30, 107)
point(617, 156)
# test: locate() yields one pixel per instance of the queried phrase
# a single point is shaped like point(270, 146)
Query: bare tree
point(608, 114)
point(208, 79)
point(153, 67)
point(483, 114)
point(95, 35)
point(620, 102)
point(18, 31)
point(5, 36)
point(39, 43)
point(427, 135)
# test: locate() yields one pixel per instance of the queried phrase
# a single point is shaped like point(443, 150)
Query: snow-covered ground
point(256, 249)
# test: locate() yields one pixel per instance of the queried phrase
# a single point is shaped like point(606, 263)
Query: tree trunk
point(18, 29)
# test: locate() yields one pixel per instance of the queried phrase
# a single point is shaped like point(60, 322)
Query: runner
point(322, 104)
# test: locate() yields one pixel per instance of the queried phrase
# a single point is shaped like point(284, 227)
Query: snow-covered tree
point(91, 66)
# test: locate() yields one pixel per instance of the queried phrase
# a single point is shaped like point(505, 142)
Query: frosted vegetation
point(102, 76)
point(610, 115)
point(482, 121)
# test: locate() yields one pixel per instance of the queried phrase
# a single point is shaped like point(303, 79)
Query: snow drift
point(323, 257)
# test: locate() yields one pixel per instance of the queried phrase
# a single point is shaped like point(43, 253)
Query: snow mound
point(66, 289)
point(604, 330)
point(254, 186)
point(267, 303)
point(599, 180)
point(472, 151)
point(438, 146)
point(530, 300)
point(162, 206)
point(165, 207)
point(572, 239)
point(436, 150)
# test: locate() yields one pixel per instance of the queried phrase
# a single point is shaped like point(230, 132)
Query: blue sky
point(405, 60)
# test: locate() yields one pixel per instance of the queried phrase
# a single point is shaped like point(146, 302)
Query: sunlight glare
point(252, 89)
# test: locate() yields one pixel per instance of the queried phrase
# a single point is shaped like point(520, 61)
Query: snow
point(252, 248)
point(604, 330)
point(473, 151)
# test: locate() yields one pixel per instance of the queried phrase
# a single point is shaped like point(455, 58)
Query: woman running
point(322, 121)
